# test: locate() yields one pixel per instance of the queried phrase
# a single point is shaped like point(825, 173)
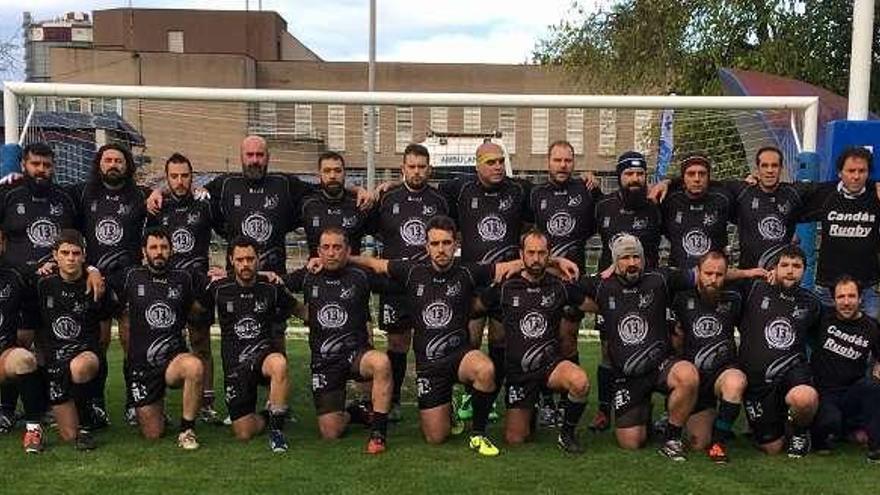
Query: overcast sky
point(488, 31)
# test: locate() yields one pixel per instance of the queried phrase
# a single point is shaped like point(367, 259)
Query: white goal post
point(804, 107)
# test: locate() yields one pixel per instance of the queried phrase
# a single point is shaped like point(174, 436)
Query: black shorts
point(395, 315)
point(523, 391)
point(765, 405)
point(706, 399)
point(573, 313)
point(329, 379)
point(241, 384)
point(147, 383)
point(632, 394)
point(60, 381)
point(492, 314)
point(434, 382)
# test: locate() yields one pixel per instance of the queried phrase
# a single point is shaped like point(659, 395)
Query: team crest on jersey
point(319, 381)
point(349, 222)
point(160, 315)
point(78, 308)
point(438, 314)
point(270, 202)
point(799, 313)
point(695, 243)
point(632, 329)
point(65, 328)
point(332, 316)
point(561, 224)
point(575, 200)
point(247, 328)
point(413, 232)
point(42, 232)
point(193, 218)
point(645, 300)
point(454, 289)
point(55, 209)
point(707, 326)
point(640, 223)
point(19, 208)
point(533, 325)
point(182, 240)
point(548, 300)
point(771, 228)
point(257, 227)
point(5, 293)
point(779, 334)
point(108, 231)
point(429, 210)
point(346, 293)
point(505, 204)
point(492, 228)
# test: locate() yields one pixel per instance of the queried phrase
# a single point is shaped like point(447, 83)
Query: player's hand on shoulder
point(365, 199)
point(315, 265)
point(657, 192)
point(607, 273)
point(201, 194)
point(47, 268)
point(154, 201)
point(11, 178)
point(272, 277)
point(216, 273)
point(590, 180)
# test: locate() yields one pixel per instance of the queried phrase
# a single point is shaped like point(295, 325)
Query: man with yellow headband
point(491, 210)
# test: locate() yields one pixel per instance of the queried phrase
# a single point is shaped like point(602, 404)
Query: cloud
point(489, 31)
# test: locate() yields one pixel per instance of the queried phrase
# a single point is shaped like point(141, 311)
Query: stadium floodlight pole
point(809, 105)
point(371, 116)
point(860, 59)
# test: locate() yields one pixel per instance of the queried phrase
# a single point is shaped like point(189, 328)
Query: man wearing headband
point(490, 209)
point(625, 211)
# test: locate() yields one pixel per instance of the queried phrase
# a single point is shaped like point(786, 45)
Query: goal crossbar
point(808, 106)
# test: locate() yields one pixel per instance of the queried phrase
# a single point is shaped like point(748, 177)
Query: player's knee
point(580, 385)
point(684, 376)
point(802, 398)
point(21, 362)
point(193, 369)
point(734, 385)
point(379, 365)
point(153, 431)
point(241, 433)
point(434, 437)
point(627, 443)
point(484, 376)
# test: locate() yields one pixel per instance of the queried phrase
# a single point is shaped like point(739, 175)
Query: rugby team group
point(481, 254)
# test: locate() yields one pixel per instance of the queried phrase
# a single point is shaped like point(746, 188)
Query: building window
point(336, 127)
point(264, 119)
point(607, 132)
point(574, 129)
point(302, 120)
point(540, 130)
point(175, 41)
point(642, 130)
point(403, 135)
point(472, 119)
point(507, 127)
point(366, 113)
point(439, 119)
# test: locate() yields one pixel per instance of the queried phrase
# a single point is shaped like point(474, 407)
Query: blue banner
point(666, 145)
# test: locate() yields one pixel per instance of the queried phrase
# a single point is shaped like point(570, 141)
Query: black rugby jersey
point(188, 222)
point(708, 327)
point(841, 350)
point(70, 319)
point(634, 316)
point(339, 310)
point(774, 328)
point(31, 219)
point(565, 212)
point(247, 316)
point(264, 210)
point(400, 218)
point(158, 306)
point(695, 226)
point(320, 211)
point(16, 301)
point(490, 219)
point(113, 222)
point(441, 304)
point(531, 313)
point(614, 218)
point(849, 226)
